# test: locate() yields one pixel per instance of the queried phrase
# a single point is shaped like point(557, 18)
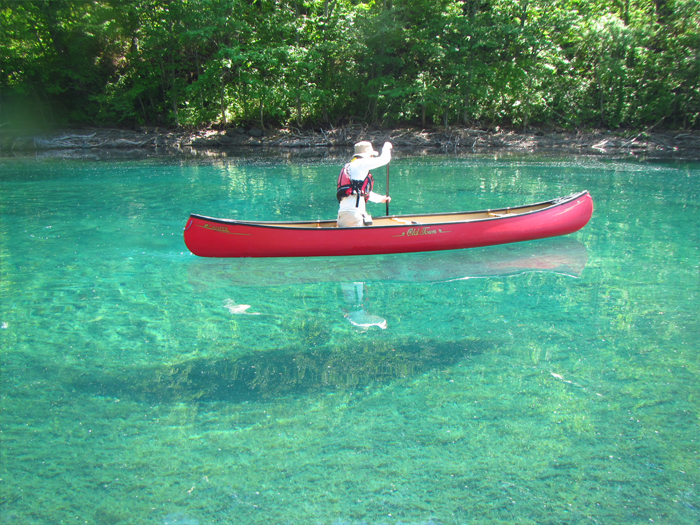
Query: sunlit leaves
point(568, 63)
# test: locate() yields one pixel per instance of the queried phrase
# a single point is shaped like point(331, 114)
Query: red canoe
point(209, 237)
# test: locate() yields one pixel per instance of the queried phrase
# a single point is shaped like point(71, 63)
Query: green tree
point(611, 63)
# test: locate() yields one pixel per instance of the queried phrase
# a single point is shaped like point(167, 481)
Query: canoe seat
point(402, 221)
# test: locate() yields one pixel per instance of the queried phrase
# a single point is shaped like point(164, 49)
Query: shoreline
point(675, 145)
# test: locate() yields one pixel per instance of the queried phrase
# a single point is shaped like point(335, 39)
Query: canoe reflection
point(265, 375)
point(559, 255)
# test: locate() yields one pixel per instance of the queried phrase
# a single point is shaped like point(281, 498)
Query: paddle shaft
point(387, 188)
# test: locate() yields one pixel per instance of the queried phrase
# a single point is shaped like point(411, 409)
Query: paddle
point(387, 189)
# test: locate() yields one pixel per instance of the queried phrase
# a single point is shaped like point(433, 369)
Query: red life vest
point(348, 186)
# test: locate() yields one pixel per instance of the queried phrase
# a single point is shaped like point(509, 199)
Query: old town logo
point(220, 229)
point(425, 230)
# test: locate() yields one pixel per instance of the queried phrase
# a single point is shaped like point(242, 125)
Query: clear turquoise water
point(549, 382)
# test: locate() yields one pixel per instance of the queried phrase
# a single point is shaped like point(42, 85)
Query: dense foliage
point(514, 63)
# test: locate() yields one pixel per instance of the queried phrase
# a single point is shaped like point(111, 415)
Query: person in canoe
point(355, 184)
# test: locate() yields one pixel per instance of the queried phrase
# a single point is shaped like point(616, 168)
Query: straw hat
point(365, 149)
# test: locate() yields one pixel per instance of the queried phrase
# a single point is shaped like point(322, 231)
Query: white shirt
point(358, 170)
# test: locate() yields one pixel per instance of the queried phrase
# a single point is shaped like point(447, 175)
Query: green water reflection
point(546, 382)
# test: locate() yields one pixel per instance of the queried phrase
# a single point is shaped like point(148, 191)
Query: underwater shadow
point(264, 376)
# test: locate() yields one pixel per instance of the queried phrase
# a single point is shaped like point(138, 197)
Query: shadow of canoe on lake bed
point(263, 376)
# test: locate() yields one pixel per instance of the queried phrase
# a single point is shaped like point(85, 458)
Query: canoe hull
point(211, 237)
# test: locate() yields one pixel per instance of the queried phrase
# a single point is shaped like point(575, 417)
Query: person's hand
point(386, 198)
point(388, 145)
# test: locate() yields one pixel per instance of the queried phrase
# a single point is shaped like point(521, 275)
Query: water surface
point(553, 381)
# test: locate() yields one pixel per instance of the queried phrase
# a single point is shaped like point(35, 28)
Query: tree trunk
point(222, 95)
point(262, 107)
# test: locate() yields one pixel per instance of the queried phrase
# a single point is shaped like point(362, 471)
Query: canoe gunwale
point(507, 214)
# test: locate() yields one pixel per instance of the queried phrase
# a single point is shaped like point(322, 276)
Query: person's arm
point(375, 162)
point(375, 197)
